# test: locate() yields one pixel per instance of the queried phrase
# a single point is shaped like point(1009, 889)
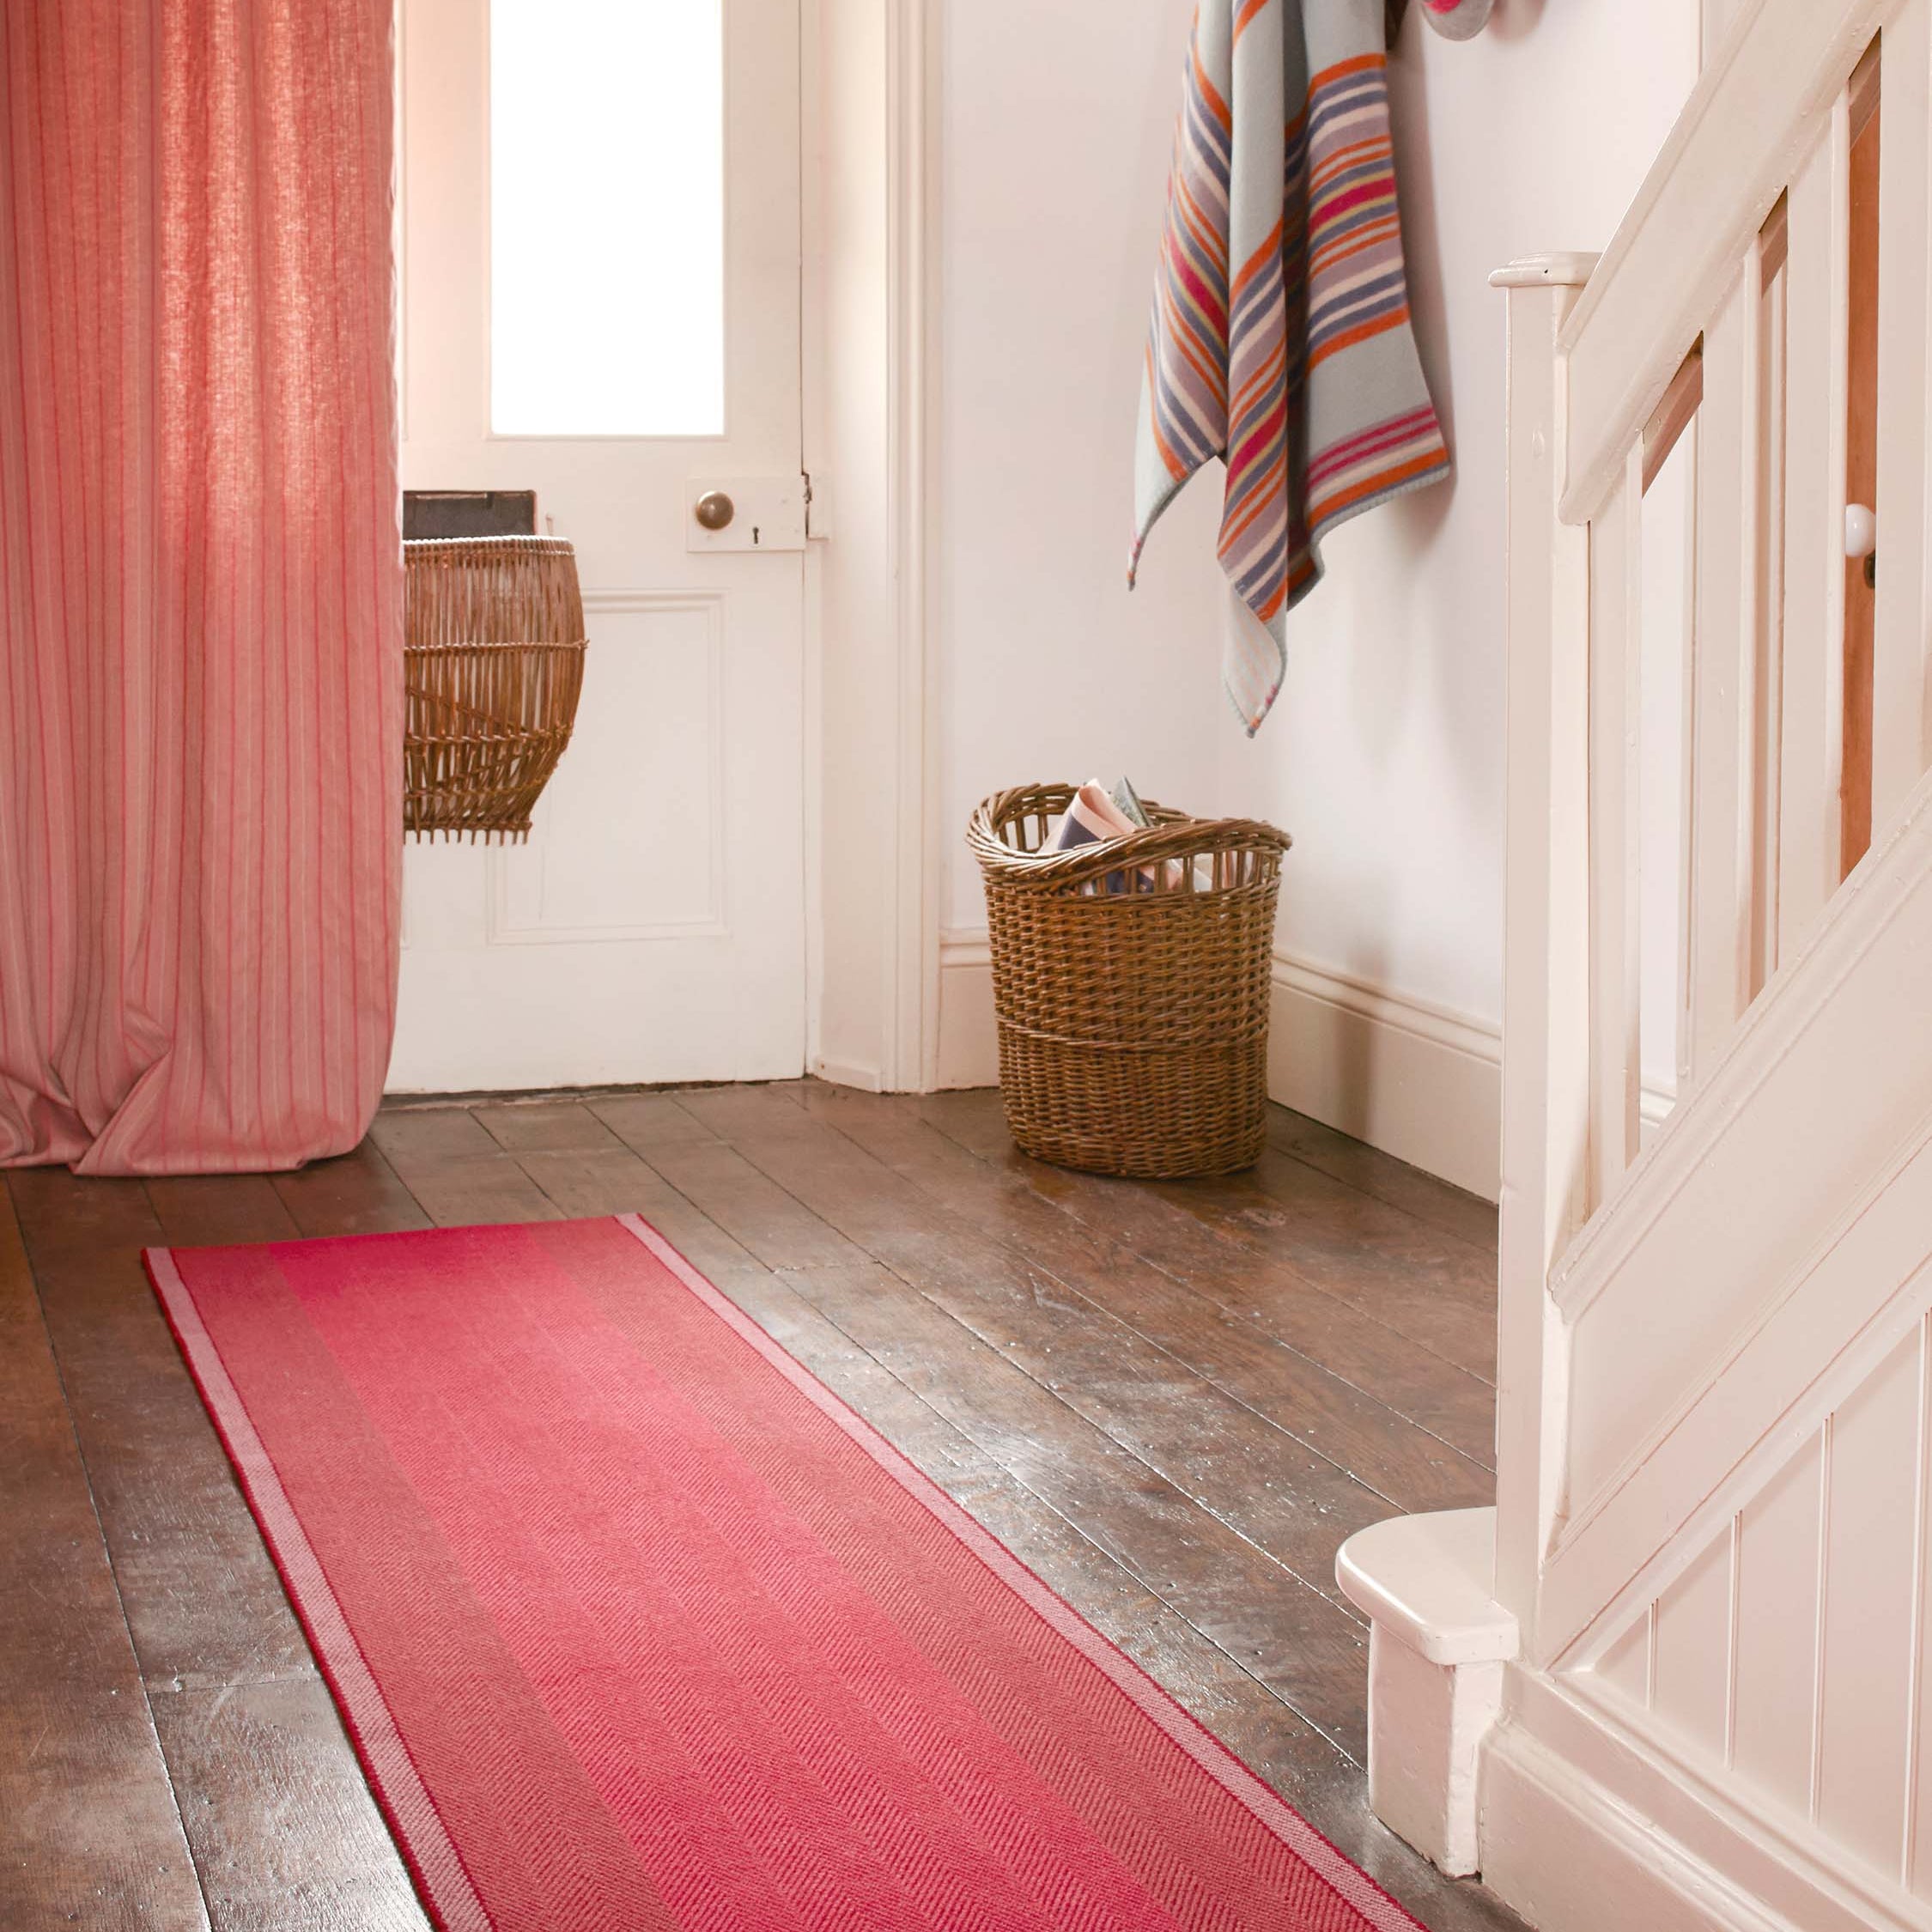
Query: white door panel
point(653, 928)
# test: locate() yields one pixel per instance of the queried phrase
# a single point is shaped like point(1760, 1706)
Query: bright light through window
point(607, 227)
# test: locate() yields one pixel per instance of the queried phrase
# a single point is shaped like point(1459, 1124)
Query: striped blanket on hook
point(1280, 338)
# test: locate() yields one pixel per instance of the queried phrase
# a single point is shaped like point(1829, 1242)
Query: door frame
point(871, 358)
point(756, 911)
point(870, 364)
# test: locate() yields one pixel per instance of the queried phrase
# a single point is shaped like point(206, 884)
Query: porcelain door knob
point(1861, 530)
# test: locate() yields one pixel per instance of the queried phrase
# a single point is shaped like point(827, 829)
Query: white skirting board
point(1562, 1853)
point(968, 1041)
point(1411, 1078)
point(1588, 1826)
point(1414, 1079)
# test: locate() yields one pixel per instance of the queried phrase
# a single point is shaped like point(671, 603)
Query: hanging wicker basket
point(494, 663)
point(1133, 1024)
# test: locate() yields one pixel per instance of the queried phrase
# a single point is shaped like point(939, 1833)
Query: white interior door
point(600, 303)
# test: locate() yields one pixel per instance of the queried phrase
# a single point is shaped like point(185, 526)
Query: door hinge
point(817, 517)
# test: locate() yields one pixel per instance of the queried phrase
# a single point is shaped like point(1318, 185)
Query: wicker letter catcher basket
point(1132, 1023)
point(493, 651)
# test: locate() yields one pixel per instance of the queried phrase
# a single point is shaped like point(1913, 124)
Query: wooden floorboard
point(1171, 1402)
point(458, 1172)
point(286, 1835)
point(1027, 1311)
point(89, 1831)
point(356, 1193)
point(1202, 1240)
point(1353, 1426)
point(1448, 1210)
point(203, 1599)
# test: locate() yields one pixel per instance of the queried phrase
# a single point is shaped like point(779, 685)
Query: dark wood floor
point(1173, 1401)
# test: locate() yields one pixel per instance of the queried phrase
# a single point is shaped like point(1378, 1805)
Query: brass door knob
point(714, 510)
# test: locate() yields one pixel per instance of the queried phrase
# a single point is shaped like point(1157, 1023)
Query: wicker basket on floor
point(494, 663)
point(1133, 1024)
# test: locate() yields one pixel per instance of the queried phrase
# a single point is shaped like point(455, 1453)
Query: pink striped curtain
point(200, 581)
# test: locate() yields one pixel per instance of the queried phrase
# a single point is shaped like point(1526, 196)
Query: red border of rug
point(428, 1851)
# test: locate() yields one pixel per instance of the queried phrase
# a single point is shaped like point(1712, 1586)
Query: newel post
point(1546, 945)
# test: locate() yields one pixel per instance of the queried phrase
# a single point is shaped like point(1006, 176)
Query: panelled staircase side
point(1677, 1678)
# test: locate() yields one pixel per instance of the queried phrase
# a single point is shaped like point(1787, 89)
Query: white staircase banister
point(1546, 955)
point(1681, 1675)
point(1761, 106)
point(1683, 1297)
point(1756, 1052)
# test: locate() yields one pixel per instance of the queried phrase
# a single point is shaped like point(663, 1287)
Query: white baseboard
point(1558, 1852)
point(968, 1039)
point(1417, 1080)
point(1588, 1826)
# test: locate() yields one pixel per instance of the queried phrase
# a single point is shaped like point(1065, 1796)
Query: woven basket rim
point(497, 644)
point(1174, 834)
point(504, 539)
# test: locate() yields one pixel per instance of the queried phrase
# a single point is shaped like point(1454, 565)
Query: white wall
point(1384, 755)
point(1056, 127)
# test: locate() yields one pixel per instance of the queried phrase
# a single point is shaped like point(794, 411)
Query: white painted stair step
point(1428, 1579)
point(1438, 1641)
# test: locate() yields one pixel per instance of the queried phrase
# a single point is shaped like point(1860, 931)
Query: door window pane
point(606, 217)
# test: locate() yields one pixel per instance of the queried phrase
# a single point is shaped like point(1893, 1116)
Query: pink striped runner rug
point(636, 1625)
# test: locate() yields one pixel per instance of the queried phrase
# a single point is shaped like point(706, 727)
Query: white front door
point(600, 303)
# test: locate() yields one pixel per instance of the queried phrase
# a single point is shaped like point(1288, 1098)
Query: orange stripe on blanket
point(1325, 260)
point(1260, 506)
point(1210, 94)
point(1201, 354)
point(1267, 256)
point(1363, 331)
point(1259, 379)
point(1189, 215)
point(1362, 63)
point(1378, 145)
point(1266, 456)
point(1170, 458)
point(1383, 480)
point(1330, 253)
point(1261, 503)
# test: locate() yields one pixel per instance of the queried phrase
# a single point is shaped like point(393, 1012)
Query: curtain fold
point(200, 581)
